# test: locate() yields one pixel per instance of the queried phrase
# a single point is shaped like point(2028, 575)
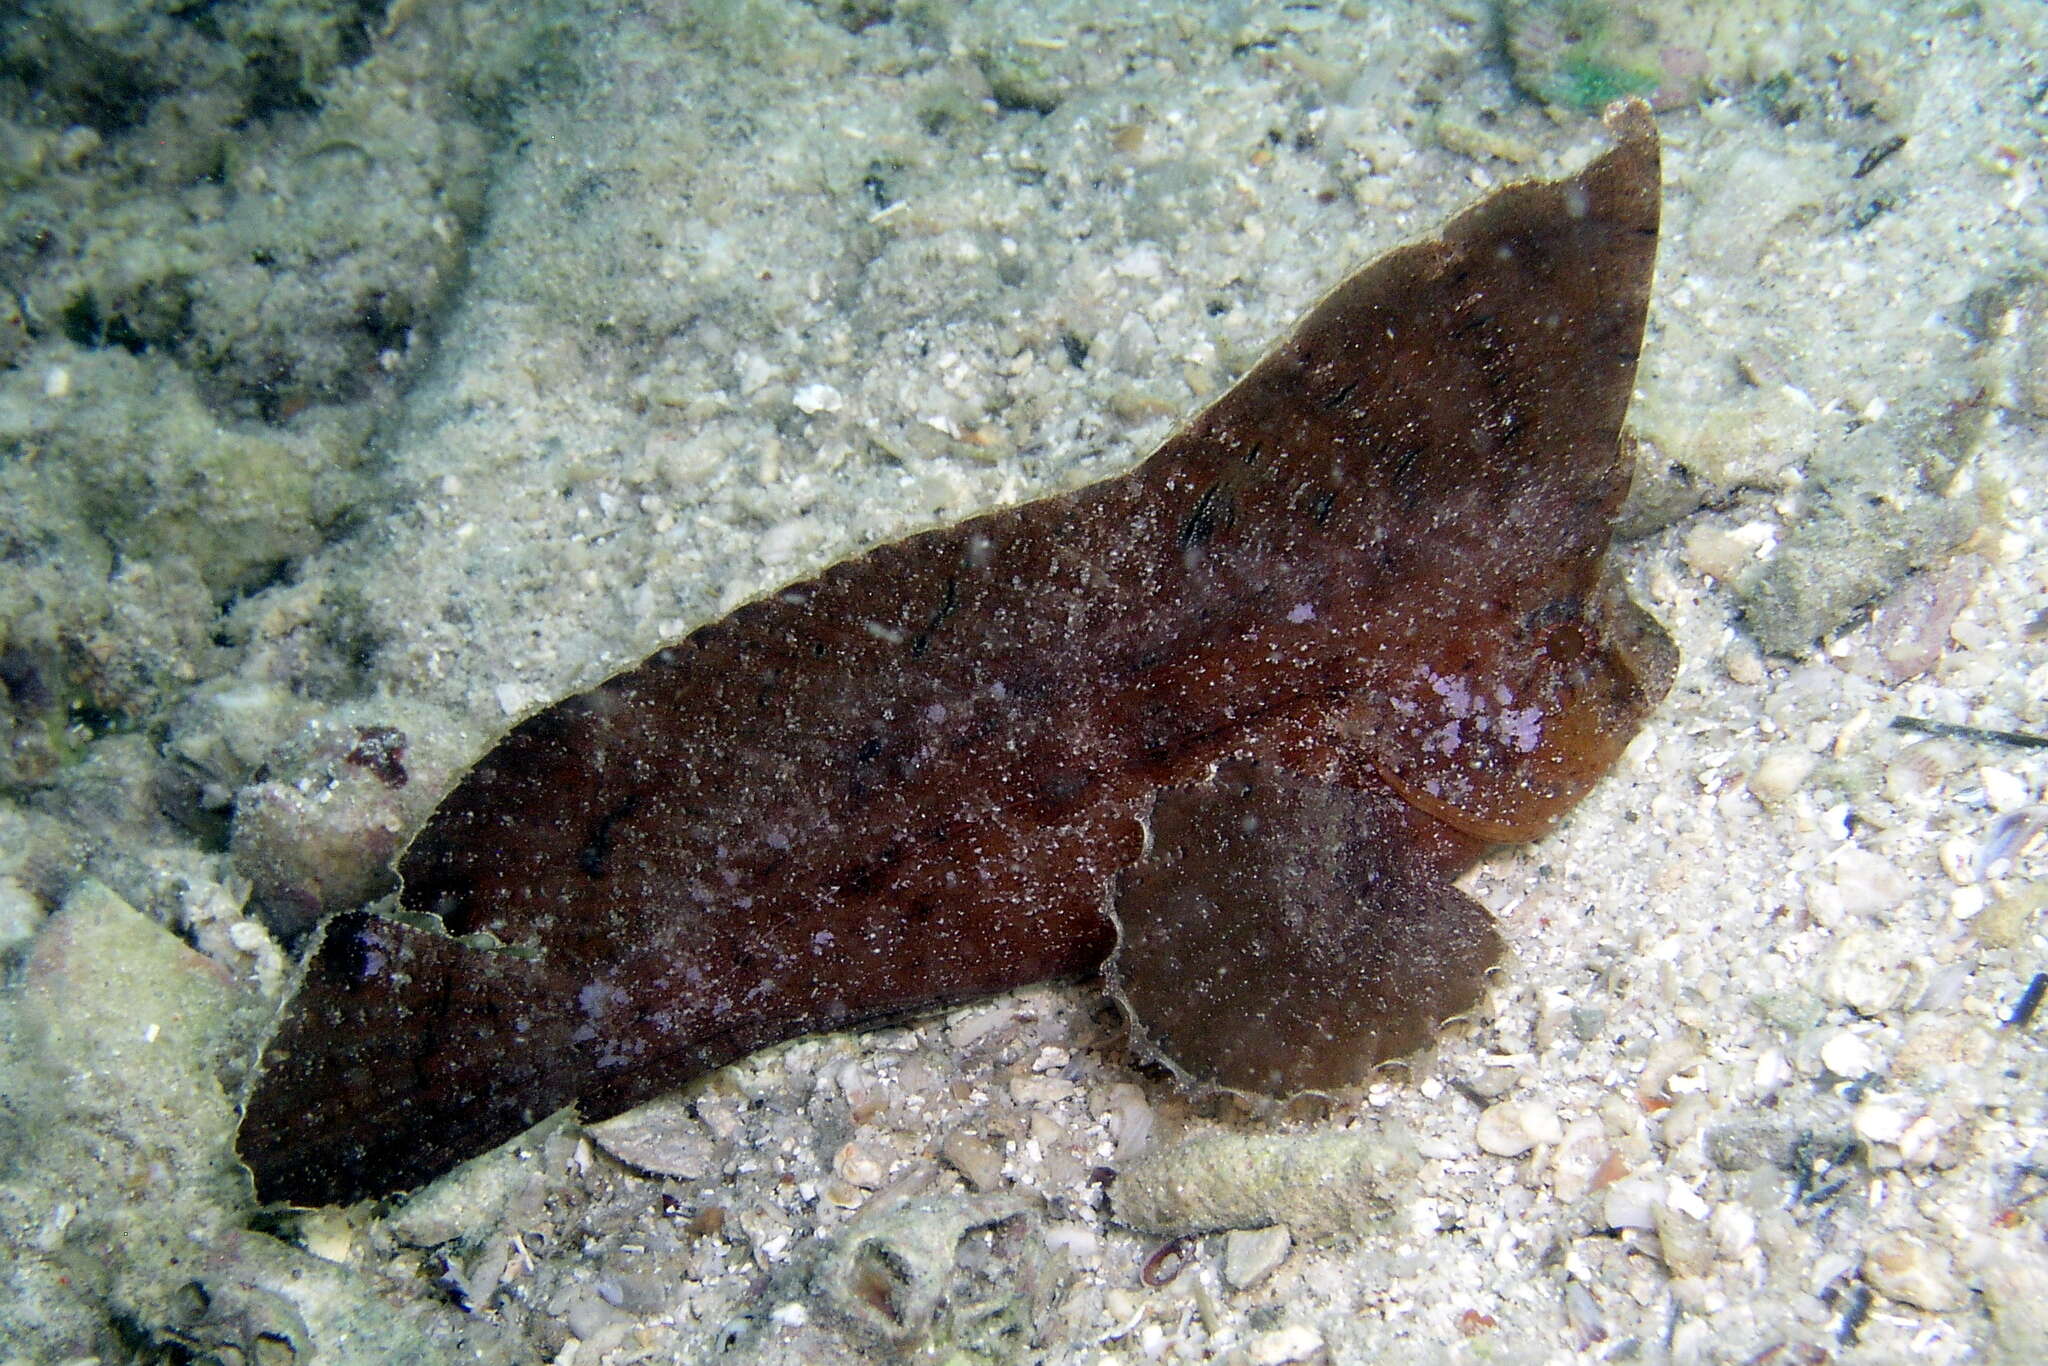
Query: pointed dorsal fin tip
point(1630, 123)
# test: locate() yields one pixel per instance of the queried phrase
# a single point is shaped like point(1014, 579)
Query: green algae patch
point(1584, 54)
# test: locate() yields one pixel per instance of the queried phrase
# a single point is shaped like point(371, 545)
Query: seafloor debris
point(889, 1271)
point(1352, 1181)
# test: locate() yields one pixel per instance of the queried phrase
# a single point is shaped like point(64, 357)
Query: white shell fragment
point(818, 398)
point(1513, 1127)
point(1901, 1267)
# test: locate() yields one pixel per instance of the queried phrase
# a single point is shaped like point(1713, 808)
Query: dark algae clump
point(1346, 629)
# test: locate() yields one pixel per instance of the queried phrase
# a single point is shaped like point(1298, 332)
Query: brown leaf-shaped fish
point(1345, 629)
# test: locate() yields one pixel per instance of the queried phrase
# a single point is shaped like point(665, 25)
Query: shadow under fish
point(1224, 728)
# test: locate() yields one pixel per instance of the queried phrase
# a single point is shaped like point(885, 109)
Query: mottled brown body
point(1367, 583)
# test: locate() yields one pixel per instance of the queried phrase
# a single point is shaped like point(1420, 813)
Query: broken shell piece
point(888, 1271)
point(1578, 1155)
point(2013, 835)
point(1866, 973)
point(1903, 1268)
point(663, 1138)
point(1917, 772)
point(1631, 1203)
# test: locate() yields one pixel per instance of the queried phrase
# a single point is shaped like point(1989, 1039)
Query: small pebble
point(1901, 1267)
point(1865, 974)
point(513, 698)
point(1880, 1120)
point(1868, 882)
point(970, 1029)
point(328, 1235)
point(857, 1167)
point(2005, 791)
point(2008, 920)
point(1719, 554)
point(1683, 1198)
point(77, 142)
point(1251, 1254)
point(663, 1137)
point(974, 1158)
point(1513, 1127)
point(1041, 1093)
point(1491, 1083)
point(1773, 1070)
point(1849, 1055)
point(843, 1194)
point(1744, 664)
point(1076, 1240)
point(1688, 1251)
point(1782, 773)
point(1958, 856)
point(818, 398)
point(751, 371)
point(1790, 1004)
point(1734, 1229)
point(1130, 1119)
point(1296, 1342)
point(1920, 1144)
point(1349, 1181)
point(1630, 1204)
